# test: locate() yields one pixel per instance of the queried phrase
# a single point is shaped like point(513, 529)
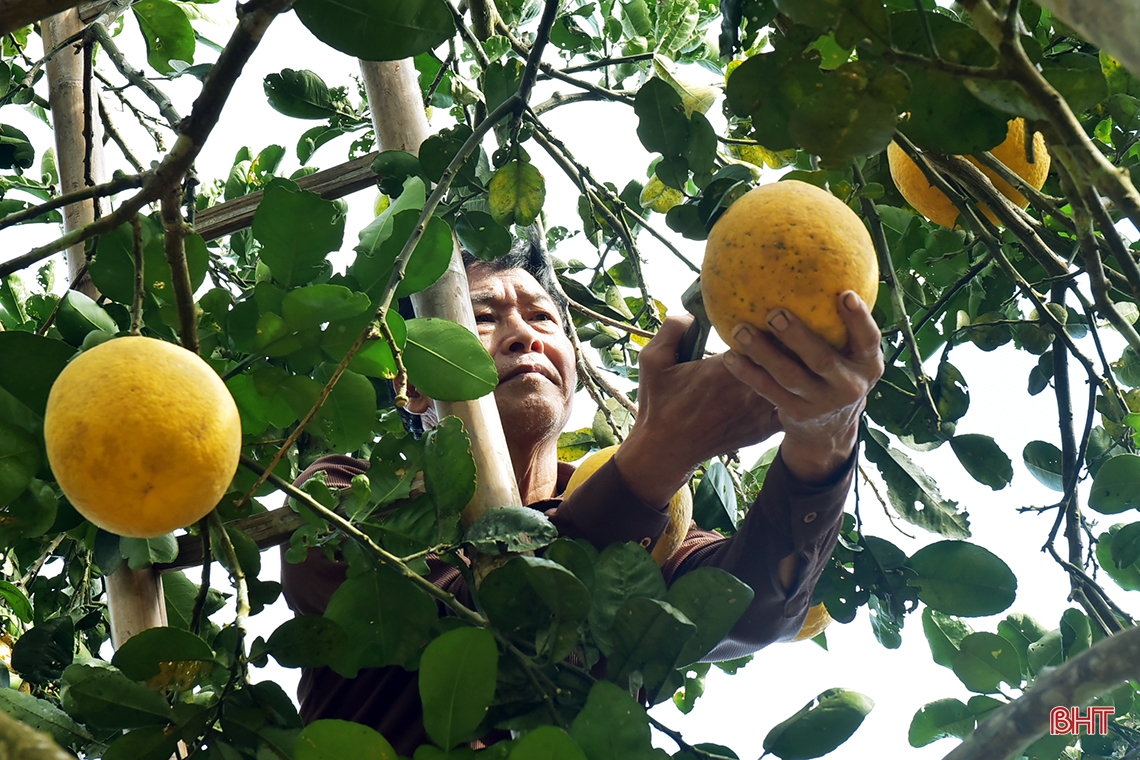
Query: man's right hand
point(688, 412)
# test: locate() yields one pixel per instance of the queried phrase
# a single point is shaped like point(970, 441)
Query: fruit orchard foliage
point(822, 89)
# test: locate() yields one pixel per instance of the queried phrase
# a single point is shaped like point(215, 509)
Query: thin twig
point(116, 185)
point(136, 77)
point(140, 276)
point(401, 379)
point(237, 574)
point(59, 302)
point(174, 245)
point(609, 321)
point(204, 587)
point(110, 130)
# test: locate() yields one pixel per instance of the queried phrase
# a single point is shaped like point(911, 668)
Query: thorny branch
point(116, 185)
point(135, 77)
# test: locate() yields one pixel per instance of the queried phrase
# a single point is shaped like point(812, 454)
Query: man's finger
point(863, 335)
point(661, 352)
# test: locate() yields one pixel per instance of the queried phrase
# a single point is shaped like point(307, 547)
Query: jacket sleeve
point(787, 518)
point(603, 510)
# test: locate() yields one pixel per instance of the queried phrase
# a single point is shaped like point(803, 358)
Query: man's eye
point(543, 316)
point(485, 319)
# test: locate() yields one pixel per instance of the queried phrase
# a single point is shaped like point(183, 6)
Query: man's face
point(521, 328)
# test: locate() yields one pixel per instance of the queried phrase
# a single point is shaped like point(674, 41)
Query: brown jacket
point(788, 517)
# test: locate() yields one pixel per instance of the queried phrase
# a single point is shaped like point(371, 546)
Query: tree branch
point(136, 77)
point(1012, 728)
point(174, 245)
point(116, 185)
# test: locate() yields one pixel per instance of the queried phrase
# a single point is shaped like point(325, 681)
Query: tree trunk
point(1111, 25)
point(69, 116)
point(15, 14)
point(400, 123)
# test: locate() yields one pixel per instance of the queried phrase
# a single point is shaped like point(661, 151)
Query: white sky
point(735, 711)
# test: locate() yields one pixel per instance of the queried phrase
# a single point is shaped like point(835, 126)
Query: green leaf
point(31, 364)
point(180, 594)
point(447, 362)
point(648, 636)
point(1125, 546)
point(113, 268)
point(546, 743)
point(19, 460)
point(458, 671)
point(712, 599)
point(106, 698)
point(944, 114)
point(1044, 462)
point(296, 229)
point(312, 139)
point(374, 31)
point(439, 150)
point(820, 726)
point(676, 23)
point(1078, 78)
point(510, 529)
point(912, 493)
point(1021, 630)
point(16, 151)
point(940, 719)
point(537, 600)
point(984, 660)
point(17, 602)
point(393, 169)
point(1116, 486)
point(944, 634)
point(714, 505)
point(1127, 577)
point(622, 572)
point(315, 305)
point(1048, 651)
point(43, 716)
point(382, 241)
point(479, 233)
point(300, 94)
point(385, 617)
point(141, 657)
point(348, 414)
point(41, 653)
point(141, 553)
point(168, 34)
point(516, 192)
point(960, 578)
point(662, 125)
point(145, 743)
point(339, 739)
point(983, 459)
point(613, 726)
point(78, 315)
point(308, 641)
point(449, 467)
point(31, 514)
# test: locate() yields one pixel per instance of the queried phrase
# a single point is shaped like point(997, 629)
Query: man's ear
point(418, 403)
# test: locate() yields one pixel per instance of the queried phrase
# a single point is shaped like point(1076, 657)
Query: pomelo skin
point(142, 436)
point(787, 245)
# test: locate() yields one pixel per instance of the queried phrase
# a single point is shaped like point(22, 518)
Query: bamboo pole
point(68, 101)
point(401, 124)
point(134, 597)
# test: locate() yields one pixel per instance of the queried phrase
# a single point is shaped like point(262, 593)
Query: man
point(689, 412)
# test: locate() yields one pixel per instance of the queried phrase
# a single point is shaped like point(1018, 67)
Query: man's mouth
point(526, 369)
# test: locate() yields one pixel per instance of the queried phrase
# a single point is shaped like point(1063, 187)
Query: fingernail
point(851, 301)
point(742, 334)
point(729, 358)
point(778, 320)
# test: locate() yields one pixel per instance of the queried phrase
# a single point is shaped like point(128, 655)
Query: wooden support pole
point(401, 124)
point(134, 597)
point(69, 119)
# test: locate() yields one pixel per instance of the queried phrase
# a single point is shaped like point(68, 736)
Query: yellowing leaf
point(760, 156)
point(694, 97)
point(516, 193)
point(657, 196)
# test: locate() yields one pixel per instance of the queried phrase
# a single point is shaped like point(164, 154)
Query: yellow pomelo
point(933, 203)
point(680, 506)
point(791, 245)
point(817, 620)
point(142, 435)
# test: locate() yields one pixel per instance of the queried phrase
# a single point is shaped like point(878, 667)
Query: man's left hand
point(818, 392)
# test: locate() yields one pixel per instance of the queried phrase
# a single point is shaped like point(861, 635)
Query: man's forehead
point(488, 286)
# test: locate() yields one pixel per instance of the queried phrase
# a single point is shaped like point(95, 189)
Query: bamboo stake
point(401, 124)
point(66, 85)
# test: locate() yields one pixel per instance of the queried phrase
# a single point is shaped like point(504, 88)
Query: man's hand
point(688, 412)
point(818, 392)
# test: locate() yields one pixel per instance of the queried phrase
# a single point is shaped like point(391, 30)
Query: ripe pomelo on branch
point(933, 203)
point(680, 506)
point(792, 245)
point(142, 436)
point(815, 623)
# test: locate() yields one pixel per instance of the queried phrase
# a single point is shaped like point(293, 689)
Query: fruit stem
point(887, 270)
point(230, 561)
point(140, 276)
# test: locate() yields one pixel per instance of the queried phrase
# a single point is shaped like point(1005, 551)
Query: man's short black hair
point(530, 258)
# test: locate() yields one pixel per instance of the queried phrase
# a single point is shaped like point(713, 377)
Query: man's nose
point(523, 338)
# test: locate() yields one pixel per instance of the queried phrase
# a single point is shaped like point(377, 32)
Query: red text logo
point(1068, 720)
